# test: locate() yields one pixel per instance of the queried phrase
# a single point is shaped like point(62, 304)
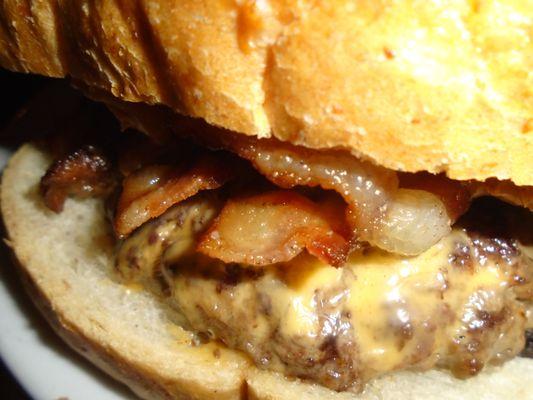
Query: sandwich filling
point(461, 304)
point(317, 264)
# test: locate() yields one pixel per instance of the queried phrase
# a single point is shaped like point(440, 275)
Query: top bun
point(412, 85)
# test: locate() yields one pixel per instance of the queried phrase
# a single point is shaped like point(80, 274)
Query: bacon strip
point(85, 172)
point(150, 191)
point(379, 212)
point(275, 227)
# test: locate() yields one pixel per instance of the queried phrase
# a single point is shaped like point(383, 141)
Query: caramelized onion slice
point(454, 194)
point(85, 172)
point(150, 191)
point(274, 227)
point(377, 210)
point(414, 220)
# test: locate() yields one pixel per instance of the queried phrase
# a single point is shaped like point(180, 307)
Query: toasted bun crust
point(413, 85)
point(65, 260)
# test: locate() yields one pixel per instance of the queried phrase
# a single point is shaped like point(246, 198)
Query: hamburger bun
point(411, 85)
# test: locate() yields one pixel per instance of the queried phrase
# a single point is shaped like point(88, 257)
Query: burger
point(276, 199)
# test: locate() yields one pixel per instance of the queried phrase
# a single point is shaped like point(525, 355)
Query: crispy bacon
point(85, 172)
point(379, 212)
point(275, 227)
point(150, 191)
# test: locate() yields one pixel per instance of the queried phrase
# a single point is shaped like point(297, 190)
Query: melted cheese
point(385, 291)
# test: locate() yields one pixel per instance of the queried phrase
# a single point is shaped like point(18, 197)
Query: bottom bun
point(66, 261)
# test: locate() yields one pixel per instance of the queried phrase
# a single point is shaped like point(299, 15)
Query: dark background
point(10, 388)
point(15, 90)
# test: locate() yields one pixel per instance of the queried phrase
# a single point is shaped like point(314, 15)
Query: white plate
point(45, 366)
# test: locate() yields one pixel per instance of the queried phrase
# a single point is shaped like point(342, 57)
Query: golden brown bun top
point(414, 84)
